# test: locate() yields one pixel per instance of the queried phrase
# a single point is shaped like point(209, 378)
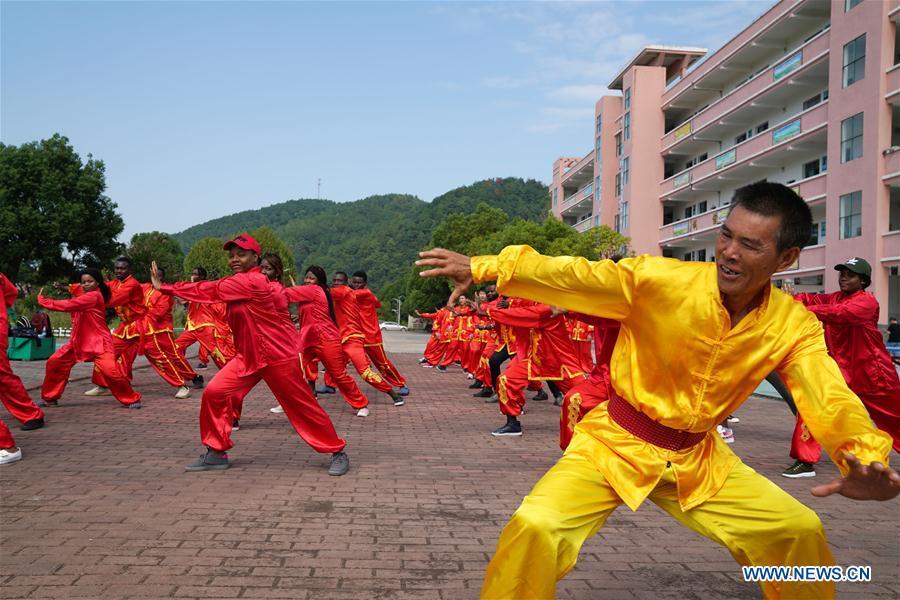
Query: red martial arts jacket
point(128, 300)
point(368, 310)
point(10, 292)
point(90, 334)
point(854, 341)
point(316, 325)
point(546, 348)
point(263, 335)
point(606, 332)
point(203, 315)
point(158, 318)
point(346, 309)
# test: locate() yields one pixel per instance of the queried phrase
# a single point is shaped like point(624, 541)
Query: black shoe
point(326, 389)
point(540, 396)
point(442, 369)
point(493, 399)
point(484, 393)
point(201, 365)
point(475, 385)
point(210, 461)
point(512, 427)
point(32, 424)
point(800, 469)
point(198, 382)
point(397, 398)
point(557, 401)
point(235, 425)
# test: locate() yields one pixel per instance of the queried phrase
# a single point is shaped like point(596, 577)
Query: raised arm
point(76, 304)
point(527, 316)
point(304, 294)
point(860, 309)
point(9, 290)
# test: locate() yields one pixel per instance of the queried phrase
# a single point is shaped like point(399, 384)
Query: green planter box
point(28, 349)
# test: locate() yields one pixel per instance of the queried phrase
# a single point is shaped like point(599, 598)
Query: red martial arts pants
point(471, 356)
point(121, 348)
point(7, 440)
point(512, 383)
point(13, 394)
point(332, 356)
point(161, 353)
point(376, 354)
point(105, 366)
point(208, 346)
point(434, 353)
point(287, 382)
point(355, 352)
point(578, 401)
point(483, 372)
point(583, 348)
point(452, 353)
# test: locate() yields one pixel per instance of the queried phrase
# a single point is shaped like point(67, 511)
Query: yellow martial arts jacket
point(678, 361)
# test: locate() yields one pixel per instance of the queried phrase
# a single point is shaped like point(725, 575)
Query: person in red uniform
point(12, 391)
point(490, 333)
point(479, 339)
point(268, 349)
point(544, 352)
point(349, 320)
point(449, 350)
point(595, 389)
point(90, 342)
point(368, 306)
point(127, 298)
point(850, 318)
point(434, 349)
point(200, 326)
point(581, 334)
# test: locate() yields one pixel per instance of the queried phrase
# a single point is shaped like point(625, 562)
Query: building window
point(597, 188)
point(855, 60)
point(811, 169)
point(818, 234)
point(618, 144)
point(618, 184)
point(628, 99)
point(851, 215)
point(850, 4)
point(555, 191)
point(623, 212)
point(597, 153)
point(626, 126)
point(762, 127)
point(852, 138)
point(626, 168)
point(599, 123)
point(701, 255)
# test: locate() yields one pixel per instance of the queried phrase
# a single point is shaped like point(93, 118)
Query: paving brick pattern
point(101, 506)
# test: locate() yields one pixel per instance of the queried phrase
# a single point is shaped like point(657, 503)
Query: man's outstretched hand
point(454, 266)
point(863, 482)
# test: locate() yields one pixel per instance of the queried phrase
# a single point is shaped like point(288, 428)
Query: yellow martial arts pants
point(758, 522)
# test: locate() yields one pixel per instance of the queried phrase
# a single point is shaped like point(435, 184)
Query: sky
point(203, 109)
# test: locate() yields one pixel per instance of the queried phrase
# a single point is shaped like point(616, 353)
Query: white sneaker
point(469, 376)
point(733, 419)
point(8, 457)
point(726, 433)
point(98, 391)
point(183, 392)
point(276, 409)
point(363, 412)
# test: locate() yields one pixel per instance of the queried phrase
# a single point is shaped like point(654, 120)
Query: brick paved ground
point(102, 508)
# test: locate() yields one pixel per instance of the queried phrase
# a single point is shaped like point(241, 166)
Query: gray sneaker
point(209, 461)
point(340, 464)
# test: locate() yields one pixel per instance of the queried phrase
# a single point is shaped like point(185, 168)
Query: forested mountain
point(379, 234)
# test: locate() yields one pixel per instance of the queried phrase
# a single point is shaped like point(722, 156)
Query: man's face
point(491, 291)
point(357, 283)
point(122, 270)
point(849, 281)
point(240, 260)
point(482, 296)
point(747, 253)
point(338, 279)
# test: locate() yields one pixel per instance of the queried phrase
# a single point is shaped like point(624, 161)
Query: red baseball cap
point(245, 241)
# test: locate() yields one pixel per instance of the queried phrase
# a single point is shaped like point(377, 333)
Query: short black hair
point(124, 259)
point(342, 273)
point(778, 200)
point(200, 271)
point(362, 275)
point(161, 270)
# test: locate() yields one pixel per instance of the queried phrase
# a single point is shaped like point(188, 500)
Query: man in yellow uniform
point(655, 438)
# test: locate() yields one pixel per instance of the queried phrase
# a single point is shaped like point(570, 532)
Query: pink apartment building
point(807, 95)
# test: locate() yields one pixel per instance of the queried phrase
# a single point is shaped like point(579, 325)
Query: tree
point(161, 247)
point(207, 253)
point(54, 217)
point(459, 230)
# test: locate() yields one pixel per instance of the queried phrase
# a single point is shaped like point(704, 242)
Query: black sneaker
point(512, 427)
point(540, 396)
point(484, 393)
point(42, 402)
point(423, 360)
point(441, 368)
point(198, 382)
point(800, 469)
point(325, 389)
point(397, 398)
point(340, 464)
point(235, 425)
point(210, 461)
point(201, 365)
point(493, 399)
point(475, 385)
point(32, 424)
point(557, 401)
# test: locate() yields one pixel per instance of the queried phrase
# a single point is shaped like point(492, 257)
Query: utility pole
point(399, 302)
point(319, 189)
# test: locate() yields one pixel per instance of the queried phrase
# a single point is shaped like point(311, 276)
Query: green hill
point(379, 234)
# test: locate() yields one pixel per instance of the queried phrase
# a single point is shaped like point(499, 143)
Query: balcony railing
point(582, 195)
point(777, 75)
point(585, 160)
point(583, 226)
point(891, 248)
point(891, 164)
point(707, 223)
point(892, 83)
point(812, 258)
point(783, 133)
